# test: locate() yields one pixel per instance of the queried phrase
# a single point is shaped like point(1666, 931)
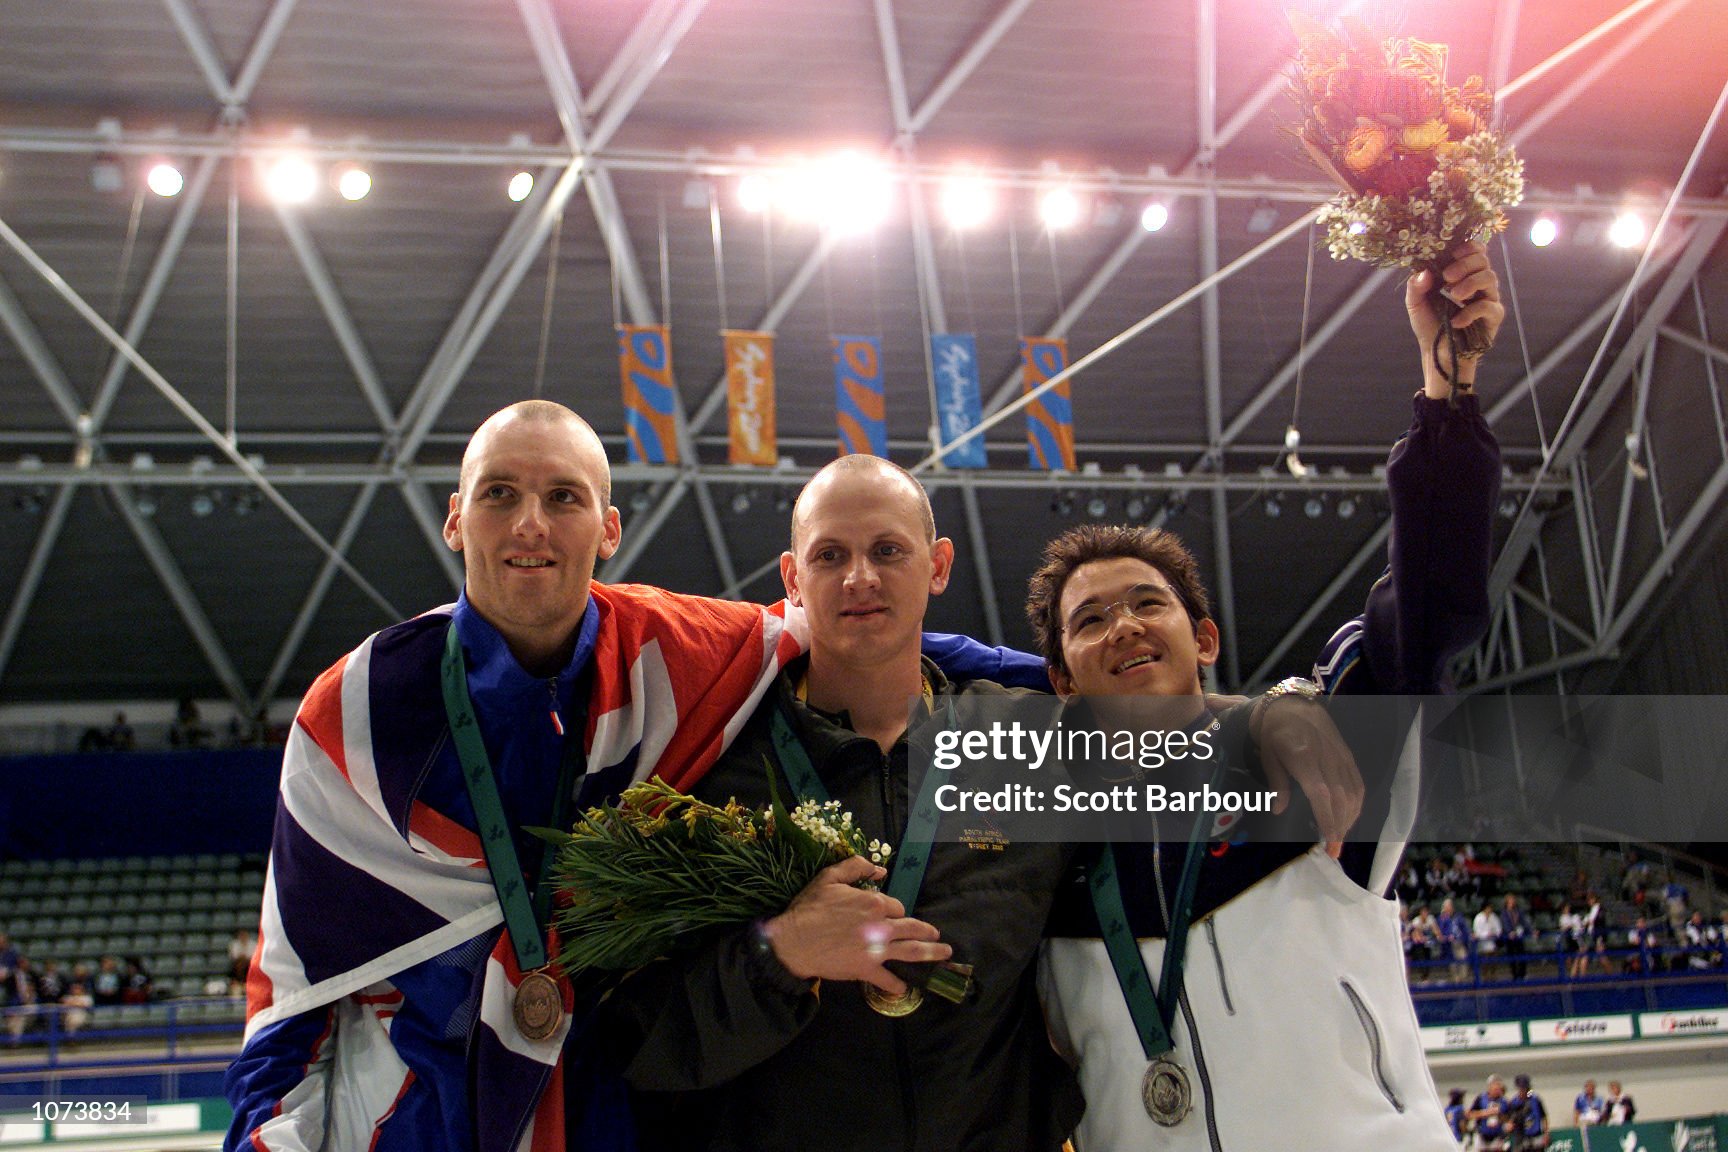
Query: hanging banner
point(750, 398)
point(959, 408)
point(650, 420)
point(860, 404)
point(1050, 418)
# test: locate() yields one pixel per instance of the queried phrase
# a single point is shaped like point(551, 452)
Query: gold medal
point(1165, 1092)
point(538, 1008)
point(889, 1004)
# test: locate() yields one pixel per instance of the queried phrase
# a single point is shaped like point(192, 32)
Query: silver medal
point(1166, 1093)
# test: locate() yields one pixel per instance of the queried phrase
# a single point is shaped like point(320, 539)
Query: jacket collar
point(494, 676)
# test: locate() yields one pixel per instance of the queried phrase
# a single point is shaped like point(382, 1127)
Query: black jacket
point(725, 1049)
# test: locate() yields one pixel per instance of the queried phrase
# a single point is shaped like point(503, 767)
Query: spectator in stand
point(1580, 892)
point(1645, 939)
point(1529, 1114)
point(1409, 884)
point(1455, 1114)
point(187, 730)
point(109, 985)
point(75, 1008)
point(1572, 941)
point(1488, 1113)
point(9, 958)
point(1594, 930)
point(240, 951)
point(1434, 880)
point(1697, 939)
point(51, 983)
point(1455, 934)
point(1515, 923)
point(121, 738)
point(1635, 881)
point(1589, 1108)
point(1719, 940)
point(1677, 902)
point(21, 1000)
point(1618, 1106)
point(138, 987)
point(1424, 943)
point(1488, 930)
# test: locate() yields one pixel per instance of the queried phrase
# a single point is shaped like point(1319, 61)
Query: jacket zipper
point(1375, 1048)
point(1200, 1070)
point(1218, 959)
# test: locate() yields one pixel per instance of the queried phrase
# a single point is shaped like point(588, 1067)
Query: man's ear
point(453, 523)
point(1062, 682)
point(1206, 640)
point(789, 577)
point(611, 533)
point(941, 565)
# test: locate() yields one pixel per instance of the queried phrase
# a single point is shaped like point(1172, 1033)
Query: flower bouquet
point(1420, 168)
point(660, 871)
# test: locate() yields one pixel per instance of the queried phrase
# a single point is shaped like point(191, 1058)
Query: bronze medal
point(538, 1008)
point(889, 1004)
point(1166, 1093)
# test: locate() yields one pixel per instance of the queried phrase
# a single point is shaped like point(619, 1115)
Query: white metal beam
point(35, 351)
point(336, 313)
point(53, 521)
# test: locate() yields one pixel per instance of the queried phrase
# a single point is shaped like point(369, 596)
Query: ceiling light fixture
point(291, 180)
point(1155, 216)
point(1346, 507)
point(354, 183)
point(1627, 231)
point(520, 185)
point(1059, 209)
point(164, 179)
point(755, 192)
point(1544, 231)
point(1314, 507)
point(967, 200)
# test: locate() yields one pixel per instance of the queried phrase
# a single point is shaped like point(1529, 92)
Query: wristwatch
point(1293, 686)
point(1299, 686)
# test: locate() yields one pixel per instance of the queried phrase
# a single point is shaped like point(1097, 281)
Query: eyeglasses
point(1091, 622)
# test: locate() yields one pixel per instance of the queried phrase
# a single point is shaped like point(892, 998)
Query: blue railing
point(1479, 988)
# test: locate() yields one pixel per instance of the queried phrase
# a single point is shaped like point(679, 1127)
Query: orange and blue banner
point(860, 400)
point(1050, 418)
point(959, 408)
point(650, 411)
point(750, 434)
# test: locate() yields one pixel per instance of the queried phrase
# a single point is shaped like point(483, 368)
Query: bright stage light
point(1059, 209)
point(1543, 232)
point(164, 179)
point(1627, 231)
point(291, 180)
point(520, 185)
point(855, 192)
point(755, 192)
point(354, 183)
point(967, 200)
point(1155, 216)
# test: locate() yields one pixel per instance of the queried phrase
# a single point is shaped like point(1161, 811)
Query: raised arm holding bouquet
point(1420, 167)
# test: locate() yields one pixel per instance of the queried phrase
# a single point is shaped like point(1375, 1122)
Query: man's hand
point(1471, 283)
point(1297, 740)
point(833, 931)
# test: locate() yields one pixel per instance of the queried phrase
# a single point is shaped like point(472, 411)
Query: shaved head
point(534, 412)
point(861, 465)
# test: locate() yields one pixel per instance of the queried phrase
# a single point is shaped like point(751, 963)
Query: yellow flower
point(1424, 136)
point(1365, 147)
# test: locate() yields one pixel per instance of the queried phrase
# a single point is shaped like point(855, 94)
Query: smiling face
point(1155, 650)
point(530, 520)
point(863, 565)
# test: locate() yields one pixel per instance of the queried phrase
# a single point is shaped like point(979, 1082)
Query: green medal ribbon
point(1153, 1010)
point(911, 857)
point(524, 917)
